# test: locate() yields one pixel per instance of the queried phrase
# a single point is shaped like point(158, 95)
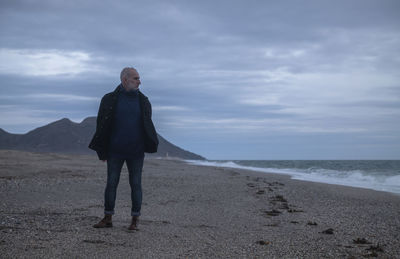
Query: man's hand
point(104, 160)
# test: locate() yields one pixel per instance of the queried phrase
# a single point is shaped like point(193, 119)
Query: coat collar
point(119, 87)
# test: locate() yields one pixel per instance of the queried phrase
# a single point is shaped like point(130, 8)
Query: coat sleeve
point(151, 140)
point(100, 113)
point(150, 110)
point(100, 139)
point(94, 143)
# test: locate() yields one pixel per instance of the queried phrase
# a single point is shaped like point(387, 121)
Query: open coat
point(105, 116)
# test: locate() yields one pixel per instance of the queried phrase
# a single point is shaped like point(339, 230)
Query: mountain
point(65, 136)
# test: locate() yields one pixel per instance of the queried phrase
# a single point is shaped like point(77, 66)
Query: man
point(124, 132)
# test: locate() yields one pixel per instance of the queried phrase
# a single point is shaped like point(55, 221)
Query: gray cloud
point(295, 77)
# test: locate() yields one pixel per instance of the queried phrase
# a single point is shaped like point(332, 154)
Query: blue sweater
point(127, 135)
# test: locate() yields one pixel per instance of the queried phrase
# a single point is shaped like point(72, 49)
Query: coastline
point(356, 178)
point(51, 201)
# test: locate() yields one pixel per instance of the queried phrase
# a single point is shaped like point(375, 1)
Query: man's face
point(132, 80)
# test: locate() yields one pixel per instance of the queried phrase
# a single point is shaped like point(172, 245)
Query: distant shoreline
point(355, 178)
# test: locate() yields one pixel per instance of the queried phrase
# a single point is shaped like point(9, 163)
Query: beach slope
point(49, 203)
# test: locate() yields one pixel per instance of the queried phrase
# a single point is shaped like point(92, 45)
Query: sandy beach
point(49, 203)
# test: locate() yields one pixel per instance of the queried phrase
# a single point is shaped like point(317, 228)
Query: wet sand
point(49, 203)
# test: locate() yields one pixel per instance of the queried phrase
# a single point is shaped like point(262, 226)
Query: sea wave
point(354, 178)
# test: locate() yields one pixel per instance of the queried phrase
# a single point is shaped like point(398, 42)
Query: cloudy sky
point(227, 79)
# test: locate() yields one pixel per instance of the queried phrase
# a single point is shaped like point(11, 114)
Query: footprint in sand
point(272, 212)
point(328, 231)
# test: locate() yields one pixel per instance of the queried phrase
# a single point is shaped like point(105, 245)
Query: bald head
point(130, 78)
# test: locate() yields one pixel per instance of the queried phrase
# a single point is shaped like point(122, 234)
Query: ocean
point(380, 175)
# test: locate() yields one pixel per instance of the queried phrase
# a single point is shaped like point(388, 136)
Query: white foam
point(354, 178)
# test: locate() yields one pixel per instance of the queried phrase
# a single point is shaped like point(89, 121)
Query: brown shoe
point(133, 226)
point(106, 222)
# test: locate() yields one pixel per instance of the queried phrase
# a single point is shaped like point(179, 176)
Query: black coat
point(101, 138)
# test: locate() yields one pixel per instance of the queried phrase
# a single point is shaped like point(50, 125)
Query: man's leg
point(135, 167)
point(114, 166)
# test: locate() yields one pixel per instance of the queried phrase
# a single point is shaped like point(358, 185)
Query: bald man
point(124, 132)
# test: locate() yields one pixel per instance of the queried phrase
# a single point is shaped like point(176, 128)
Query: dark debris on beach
point(361, 241)
point(328, 231)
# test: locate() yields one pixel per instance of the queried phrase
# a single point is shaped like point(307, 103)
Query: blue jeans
point(114, 166)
